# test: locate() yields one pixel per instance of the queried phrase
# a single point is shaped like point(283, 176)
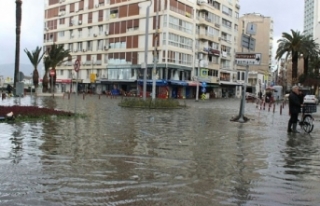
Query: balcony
point(206, 36)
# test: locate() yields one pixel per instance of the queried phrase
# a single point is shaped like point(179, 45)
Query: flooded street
point(190, 157)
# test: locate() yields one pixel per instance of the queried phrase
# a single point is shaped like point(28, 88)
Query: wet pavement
point(192, 156)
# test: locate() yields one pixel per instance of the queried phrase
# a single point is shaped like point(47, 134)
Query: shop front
point(162, 89)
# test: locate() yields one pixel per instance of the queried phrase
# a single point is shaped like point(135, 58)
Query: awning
point(178, 83)
point(193, 83)
point(61, 81)
point(159, 82)
point(116, 80)
point(231, 83)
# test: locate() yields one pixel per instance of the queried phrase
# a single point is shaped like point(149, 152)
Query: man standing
point(294, 109)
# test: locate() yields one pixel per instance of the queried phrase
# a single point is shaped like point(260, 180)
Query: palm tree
point(18, 32)
point(290, 45)
point(57, 55)
point(308, 49)
point(45, 80)
point(35, 58)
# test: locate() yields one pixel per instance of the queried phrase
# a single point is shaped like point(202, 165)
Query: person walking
point(294, 109)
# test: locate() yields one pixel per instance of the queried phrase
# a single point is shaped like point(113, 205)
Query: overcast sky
point(286, 15)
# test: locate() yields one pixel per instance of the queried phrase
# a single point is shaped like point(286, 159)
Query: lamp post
point(198, 82)
point(155, 55)
point(145, 65)
point(18, 32)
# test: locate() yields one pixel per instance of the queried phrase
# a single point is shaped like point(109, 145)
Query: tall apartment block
point(312, 19)
point(258, 77)
point(192, 42)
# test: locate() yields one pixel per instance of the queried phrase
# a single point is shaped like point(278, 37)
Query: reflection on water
point(192, 156)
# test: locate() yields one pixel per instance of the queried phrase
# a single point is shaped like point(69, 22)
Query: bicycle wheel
point(307, 123)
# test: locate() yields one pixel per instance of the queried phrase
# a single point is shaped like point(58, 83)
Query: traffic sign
point(248, 58)
point(248, 42)
point(251, 28)
point(77, 65)
point(52, 73)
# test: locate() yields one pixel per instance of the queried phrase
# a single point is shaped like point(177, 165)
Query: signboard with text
point(248, 58)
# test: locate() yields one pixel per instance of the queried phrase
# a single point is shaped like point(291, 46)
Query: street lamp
point(155, 55)
point(18, 32)
point(145, 64)
point(198, 82)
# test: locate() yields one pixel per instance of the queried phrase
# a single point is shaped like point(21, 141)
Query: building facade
point(259, 75)
point(312, 18)
point(192, 41)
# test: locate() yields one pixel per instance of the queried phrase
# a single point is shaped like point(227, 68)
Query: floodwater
point(189, 157)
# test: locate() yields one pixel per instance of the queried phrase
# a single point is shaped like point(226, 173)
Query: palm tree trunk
point(35, 78)
point(45, 82)
point(305, 65)
point(294, 70)
point(18, 32)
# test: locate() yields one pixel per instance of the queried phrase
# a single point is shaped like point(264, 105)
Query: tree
point(18, 32)
point(57, 55)
point(35, 58)
point(308, 49)
point(45, 80)
point(290, 45)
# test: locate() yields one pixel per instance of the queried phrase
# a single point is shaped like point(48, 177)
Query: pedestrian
point(294, 109)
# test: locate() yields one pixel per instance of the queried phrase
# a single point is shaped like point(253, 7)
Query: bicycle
point(307, 119)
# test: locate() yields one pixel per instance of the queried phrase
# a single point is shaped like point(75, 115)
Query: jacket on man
point(294, 103)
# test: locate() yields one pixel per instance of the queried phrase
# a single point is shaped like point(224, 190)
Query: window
point(89, 45)
point(178, 24)
point(180, 41)
point(79, 32)
point(226, 23)
point(61, 33)
point(61, 72)
point(79, 46)
point(100, 27)
point(70, 47)
point(89, 31)
point(71, 34)
point(100, 44)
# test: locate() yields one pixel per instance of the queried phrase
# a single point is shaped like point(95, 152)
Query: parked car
point(310, 99)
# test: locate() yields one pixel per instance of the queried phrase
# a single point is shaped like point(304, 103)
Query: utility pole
point(155, 54)
point(18, 33)
point(145, 65)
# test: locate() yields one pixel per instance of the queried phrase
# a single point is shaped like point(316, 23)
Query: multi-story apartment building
point(258, 77)
point(312, 19)
point(194, 41)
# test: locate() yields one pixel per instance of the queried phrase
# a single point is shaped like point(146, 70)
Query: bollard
point(264, 105)
point(269, 109)
point(83, 96)
point(280, 110)
point(274, 108)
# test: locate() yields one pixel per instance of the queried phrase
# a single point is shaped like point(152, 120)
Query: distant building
point(260, 75)
point(197, 40)
point(312, 18)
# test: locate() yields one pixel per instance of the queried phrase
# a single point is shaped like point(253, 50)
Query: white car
point(310, 99)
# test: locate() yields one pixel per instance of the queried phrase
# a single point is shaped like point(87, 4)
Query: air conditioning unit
point(75, 51)
point(217, 25)
point(84, 50)
point(97, 5)
point(106, 47)
point(80, 22)
point(72, 35)
point(95, 35)
point(47, 29)
point(106, 33)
